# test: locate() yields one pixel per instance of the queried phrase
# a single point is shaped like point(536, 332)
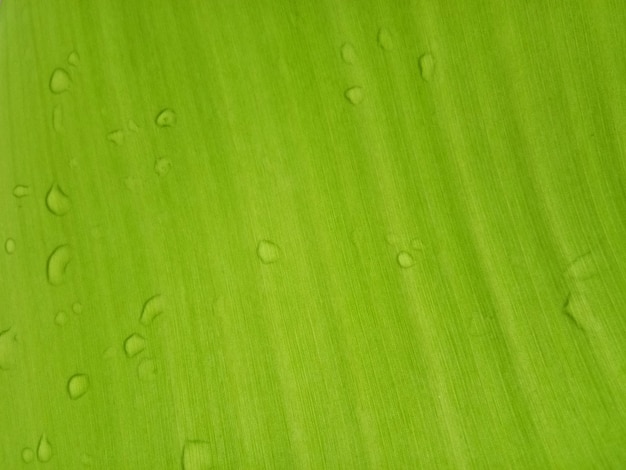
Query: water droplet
point(21, 191)
point(109, 353)
point(77, 308)
point(60, 81)
point(582, 268)
point(134, 344)
point(44, 449)
point(28, 455)
point(73, 59)
point(132, 126)
point(116, 136)
point(427, 66)
point(57, 201)
point(268, 252)
point(405, 259)
point(86, 460)
point(385, 39)
point(77, 386)
point(354, 94)
point(162, 166)
point(57, 264)
point(392, 239)
point(8, 349)
point(417, 244)
point(166, 118)
point(152, 308)
point(133, 183)
point(348, 53)
point(197, 455)
point(61, 318)
point(57, 118)
point(147, 370)
point(9, 246)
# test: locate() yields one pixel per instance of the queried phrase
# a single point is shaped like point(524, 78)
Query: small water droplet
point(73, 59)
point(162, 166)
point(405, 259)
point(57, 118)
point(385, 39)
point(86, 460)
point(166, 118)
point(21, 190)
point(57, 201)
point(134, 344)
point(268, 252)
point(77, 386)
point(132, 126)
point(133, 183)
point(61, 318)
point(77, 308)
point(44, 449)
point(348, 53)
point(197, 455)
point(392, 239)
point(354, 94)
point(147, 370)
point(28, 455)
point(8, 349)
point(116, 136)
point(57, 264)
point(9, 246)
point(152, 308)
point(60, 81)
point(427, 66)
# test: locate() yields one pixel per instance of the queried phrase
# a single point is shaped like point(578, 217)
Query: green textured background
point(502, 176)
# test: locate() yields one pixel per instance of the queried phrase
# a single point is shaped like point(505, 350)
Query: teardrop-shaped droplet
point(268, 252)
point(348, 53)
point(44, 449)
point(8, 349)
point(60, 81)
point(354, 95)
point(166, 118)
point(427, 66)
point(57, 264)
point(57, 201)
point(385, 39)
point(134, 344)
point(73, 59)
point(77, 386)
point(152, 308)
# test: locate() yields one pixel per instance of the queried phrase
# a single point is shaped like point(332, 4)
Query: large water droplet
point(44, 449)
point(405, 259)
point(57, 201)
point(147, 370)
point(21, 191)
point(60, 81)
point(268, 252)
point(385, 39)
point(197, 455)
point(57, 118)
point(166, 118)
point(116, 136)
point(73, 59)
point(9, 246)
point(77, 386)
point(152, 308)
point(348, 53)
point(134, 344)
point(28, 455)
point(57, 264)
point(427, 66)
point(8, 349)
point(162, 166)
point(354, 94)
point(61, 318)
